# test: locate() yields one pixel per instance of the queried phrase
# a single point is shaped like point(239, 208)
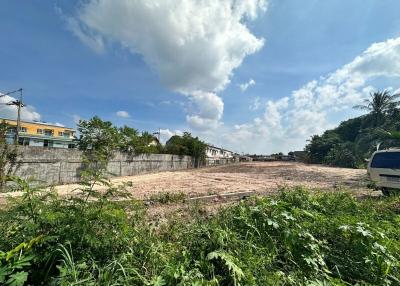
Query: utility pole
point(19, 105)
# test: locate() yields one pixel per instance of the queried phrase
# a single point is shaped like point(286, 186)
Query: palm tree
point(380, 104)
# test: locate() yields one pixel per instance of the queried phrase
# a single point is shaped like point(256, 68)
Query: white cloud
point(28, 112)
point(287, 123)
point(90, 39)
point(256, 104)
point(165, 134)
point(207, 112)
point(272, 115)
point(246, 85)
point(348, 85)
point(194, 46)
point(123, 114)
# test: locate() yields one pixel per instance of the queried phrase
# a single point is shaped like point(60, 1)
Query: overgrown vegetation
point(296, 238)
point(356, 139)
point(168, 198)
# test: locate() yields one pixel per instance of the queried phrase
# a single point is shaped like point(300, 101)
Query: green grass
point(168, 198)
point(295, 238)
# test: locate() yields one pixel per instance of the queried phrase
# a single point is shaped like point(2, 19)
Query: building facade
point(41, 134)
point(218, 153)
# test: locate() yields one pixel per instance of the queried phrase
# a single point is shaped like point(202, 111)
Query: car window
point(387, 160)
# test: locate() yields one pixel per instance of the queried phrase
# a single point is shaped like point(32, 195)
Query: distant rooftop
point(220, 148)
point(40, 123)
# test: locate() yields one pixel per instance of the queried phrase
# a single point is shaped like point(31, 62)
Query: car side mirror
point(366, 160)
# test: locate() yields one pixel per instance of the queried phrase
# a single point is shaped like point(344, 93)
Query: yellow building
point(41, 134)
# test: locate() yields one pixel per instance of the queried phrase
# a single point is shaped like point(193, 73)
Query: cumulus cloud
point(207, 112)
point(28, 112)
point(246, 85)
point(194, 46)
point(287, 123)
point(123, 114)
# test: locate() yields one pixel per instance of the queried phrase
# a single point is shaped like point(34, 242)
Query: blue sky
point(73, 64)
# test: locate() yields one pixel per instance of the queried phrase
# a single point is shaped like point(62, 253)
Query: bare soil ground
point(257, 176)
point(261, 177)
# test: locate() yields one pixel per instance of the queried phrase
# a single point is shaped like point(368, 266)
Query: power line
point(11, 92)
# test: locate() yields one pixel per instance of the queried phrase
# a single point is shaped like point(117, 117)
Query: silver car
point(384, 170)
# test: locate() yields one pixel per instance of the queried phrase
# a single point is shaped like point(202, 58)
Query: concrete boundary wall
point(53, 166)
point(222, 161)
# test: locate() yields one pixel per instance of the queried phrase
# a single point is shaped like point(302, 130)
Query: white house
point(214, 152)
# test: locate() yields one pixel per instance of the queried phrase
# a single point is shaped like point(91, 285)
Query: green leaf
point(273, 223)
point(17, 279)
point(159, 281)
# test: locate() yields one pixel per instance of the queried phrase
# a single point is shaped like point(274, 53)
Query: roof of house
point(39, 123)
point(219, 148)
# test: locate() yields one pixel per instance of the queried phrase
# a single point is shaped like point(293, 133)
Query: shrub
point(341, 156)
point(296, 238)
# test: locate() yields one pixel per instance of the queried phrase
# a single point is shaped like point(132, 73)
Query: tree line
point(354, 140)
point(104, 138)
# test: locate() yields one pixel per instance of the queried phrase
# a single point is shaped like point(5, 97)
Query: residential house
point(214, 152)
point(41, 134)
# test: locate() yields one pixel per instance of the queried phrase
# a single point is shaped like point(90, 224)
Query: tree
point(341, 155)
point(148, 144)
point(98, 141)
point(319, 146)
point(380, 104)
point(386, 138)
point(176, 145)
point(129, 139)
point(357, 138)
point(187, 145)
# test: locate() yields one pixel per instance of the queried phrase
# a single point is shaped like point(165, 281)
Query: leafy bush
point(296, 238)
point(341, 156)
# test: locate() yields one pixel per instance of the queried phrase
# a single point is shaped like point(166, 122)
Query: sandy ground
point(261, 177)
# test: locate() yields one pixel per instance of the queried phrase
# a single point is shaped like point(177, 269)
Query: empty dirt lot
point(261, 177)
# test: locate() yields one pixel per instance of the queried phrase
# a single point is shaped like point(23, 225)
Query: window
point(23, 141)
point(48, 132)
point(11, 130)
point(22, 129)
point(39, 131)
point(64, 133)
point(387, 160)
